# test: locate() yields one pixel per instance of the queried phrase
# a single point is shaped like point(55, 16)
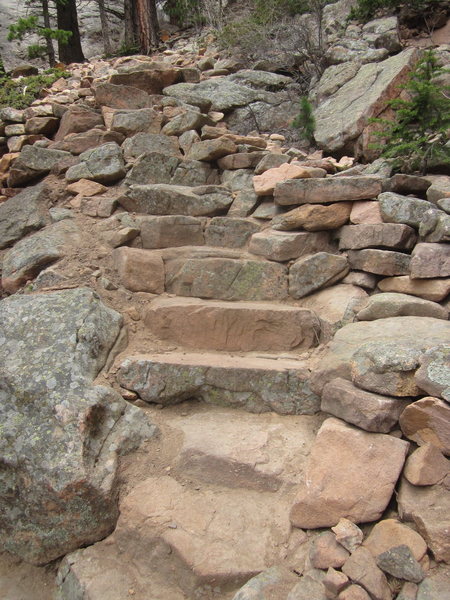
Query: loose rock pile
point(253, 278)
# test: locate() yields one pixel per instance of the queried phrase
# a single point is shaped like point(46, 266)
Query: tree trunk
point(105, 27)
point(141, 24)
point(67, 19)
point(130, 24)
point(48, 40)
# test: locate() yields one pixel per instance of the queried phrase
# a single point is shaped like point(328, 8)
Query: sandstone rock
point(165, 199)
point(139, 270)
point(354, 592)
point(429, 509)
point(439, 189)
point(230, 232)
point(362, 569)
point(426, 466)
point(146, 143)
point(242, 160)
point(379, 235)
point(236, 326)
point(387, 367)
point(78, 143)
point(275, 582)
point(366, 410)
point(122, 236)
point(365, 213)
point(389, 533)
point(77, 119)
point(433, 375)
point(382, 306)
point(427, 421)
point(266, 210)
point(348, 534)
point(171, 231)
point(343, 116)
point(367, 281)
point(15, 129)
point(23, 213)
point(32, 163)
point(430, 260)
point(243, 204)
point(103, 164)
point(186, 121)
point(281, 246)
point(334, 582)
point(412, 332)
point(130, 122)
point(85, 187)
point(98, 207)
point(379, 262)
point(12, 115)
point(235, 449)
point(430, 289)
point(325, 552)
point(121, 96)
point(30, 255)
point(209, 150)
point(255, 385)
point(265, 183)
point(329, 189)
point(315, 271)
point(150, 77)
point(238, 180)
point(400, 562)
point(226, 279)
point(347, 476)
point(408, 184)
point(45, 125)
point(435, 226)
point(187, 139)
point(155, 167)
point(65, 445)
point(310, 587)
point(313, 217)
point(408, 591)
point(271, 161)
point(396, 208)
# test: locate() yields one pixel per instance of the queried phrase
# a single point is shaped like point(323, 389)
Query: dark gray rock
point(396, 208)
point(145, 143)
point(276, 580)
point(314, 272)
point(34, 162)
point(60, 436)
point(399, 561)
point(21, 214)
point(103, 164)
point(435, 587)
point(155, 167)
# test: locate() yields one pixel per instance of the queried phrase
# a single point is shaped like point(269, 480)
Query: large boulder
point(21, 214)
point(104, 164)
point(60, 435)
point(342, 118)
point(32, 163)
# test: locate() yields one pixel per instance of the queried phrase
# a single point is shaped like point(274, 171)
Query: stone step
point(232, 326)
point(252, 383)
point(204, 541)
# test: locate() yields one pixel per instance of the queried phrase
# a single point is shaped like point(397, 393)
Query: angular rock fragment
point(396, 208)
point(327, 190)
point(400, 562)
point(104, 164)
point(380, 235)
point(362, 569)
point(428, 421)
point(230, 232)
point(429, 289)
point(170, 231)
point(325, 552)
point(130, 122)
point(210, 150)
point(23, 213)
point(32, 163)
point(313, 217)
point(379, 262)
point(139, 270)
point(349, 535)
point(390, 304)
point(283, 245)
point(389, 533)
point(276, 580)
point(430, 260)
point(433, 375)
point(314, 272)
point(265, 183)
point(426, 466)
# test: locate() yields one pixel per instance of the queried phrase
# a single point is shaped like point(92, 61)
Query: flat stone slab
point(348, 475)
point(379, 235)
point(428, 289)
point(430, 260)
point(327, 190)
point(232, 326)
point(226, 278)
point(396, 208)
point(170, 231)
point(165, 199)
point(104, 164)
point(310, 273)
point(379, 262)
point(231, 232)
point(238, 450)
point(390, 304)
point(313, 217)
point(284, 245)
point(254, 384)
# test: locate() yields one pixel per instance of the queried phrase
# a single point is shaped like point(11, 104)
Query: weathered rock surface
point(265, 183)
point(257, 385)
point(139, 270)
point(32, 163)
point(104, 164)
point(389, 533)
point(426, 466)
point(275, 582)
point(433, 375)
point(77, 119)
point(347, 476)
point(230, 232)
point(396, 208)
point(366, 410)
point(430, 260)
point(170, 231)
point(283, 245)
point(60, 435)
point(327, 190)
point(400, 562)
point(235, 326)
point(130, 122)
point(26, 212)
point(121, 96)
point(313, 217)
point(316, 271)
point(428, 421)
point(325, 551)
point(146, 143)
point(389, 304)
point(157, 167)
point(362, 569)
point(429, 289)
point(380, 235)
point(32, 254)
point(379, 262)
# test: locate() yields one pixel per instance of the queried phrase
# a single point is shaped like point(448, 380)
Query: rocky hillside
point(225, 361)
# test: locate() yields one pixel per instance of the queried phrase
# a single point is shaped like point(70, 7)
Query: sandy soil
point(21, 581)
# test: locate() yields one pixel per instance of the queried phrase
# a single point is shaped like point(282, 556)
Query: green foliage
point(20, 93)
point(418, 136)
point(304, 121)
point(267, 12)
point(367, 9)
point(183, 12)
point(30, 25)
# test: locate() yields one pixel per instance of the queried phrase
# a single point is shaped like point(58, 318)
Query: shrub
point(418, 135)
point(305, 121)
point(20, 93)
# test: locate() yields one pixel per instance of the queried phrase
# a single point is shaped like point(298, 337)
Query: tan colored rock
point(121, 96)
point(428, 421)
point(354, 592)
point(389, 304)
point(283, 245)
point(241, 160)
point(362, 569)
point(369, 411)
point(139, 270)
point(77, 119)
point(389, 533)
point(379, 262)
point(435, 290)
point(380, 235)
point(334, 582)
point(151, 79)
point(271, 161)
point(265, 183)
point(430, 260)
point(347, 476)
point(428, 507)
point(329, 189)
point(77, 143)
point(316, 271)
point(348, 534)
point(45, 125)
point(98, 207)
point(232, 326)
point(313, 217)
point(85, 187)
point(170, 231)
point(209, 150)
point(366, 213)
point(433, 375)
point(325, 552)
point(426, 466)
